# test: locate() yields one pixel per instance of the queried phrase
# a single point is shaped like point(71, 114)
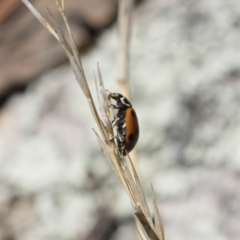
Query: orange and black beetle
point(126, 123)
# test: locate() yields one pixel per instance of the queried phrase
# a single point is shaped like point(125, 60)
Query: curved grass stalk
point(122, 166)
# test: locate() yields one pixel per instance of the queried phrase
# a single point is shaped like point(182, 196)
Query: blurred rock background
point(185, 80)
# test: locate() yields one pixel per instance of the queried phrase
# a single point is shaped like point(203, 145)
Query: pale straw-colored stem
point(122, 166)
point(124, 34)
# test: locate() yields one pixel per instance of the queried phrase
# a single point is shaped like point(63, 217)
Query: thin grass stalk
point(124, 32)
point(124, 170)
point(123, 56)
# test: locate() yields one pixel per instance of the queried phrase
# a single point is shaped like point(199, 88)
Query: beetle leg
point(120, 144)
point(114, 106)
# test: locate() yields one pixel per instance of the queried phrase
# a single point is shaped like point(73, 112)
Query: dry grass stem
point(124, 34)
point(124, 31)
point(122, 166)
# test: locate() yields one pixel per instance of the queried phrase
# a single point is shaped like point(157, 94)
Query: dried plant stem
point(124, 168)
point(124, 33)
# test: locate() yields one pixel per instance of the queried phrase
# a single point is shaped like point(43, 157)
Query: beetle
point(126, 123)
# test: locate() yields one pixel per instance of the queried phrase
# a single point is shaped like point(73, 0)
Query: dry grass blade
point(145, 223)
point(122, 166)
point(60, 4)
point(103, 102)
point(131, 185)
point(71, 51)
point(123, 56)
point(141, 230)
point(157, 219)
point(141, 196)
point(40, 18)
point(105, 150)
point(124, 30)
